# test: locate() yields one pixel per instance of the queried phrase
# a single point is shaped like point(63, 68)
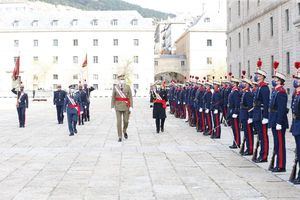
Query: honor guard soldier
point(182, 101)
point(159, 100)
point(216, 107)
point(296, 125)
point(261, 113)
point(84, 103)
point(72, 106)
point(199, 107)
point(278, 120)
point(58, 101)
point(246, 116)
point(233, 112)
point(22, 105)
point(122, 104)
point(88, 91)
point(206, 108)
point(227, 91)
point(171, 98)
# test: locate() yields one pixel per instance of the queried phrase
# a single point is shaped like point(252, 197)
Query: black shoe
point(162, 130)
point(277, 169)
point(247, 153)
point(71, 134)
point(233, 146)
point(125, 136)
point(157, 131)
point(120, 140)
point(297, 181)
point(88, 119)
point(260, 160)
point(75, 131)
point(212, 136)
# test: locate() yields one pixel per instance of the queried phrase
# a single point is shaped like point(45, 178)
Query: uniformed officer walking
point(58, 101)
point(122, 104)
point(22, 105)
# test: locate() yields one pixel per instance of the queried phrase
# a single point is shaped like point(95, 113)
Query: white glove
point(183, 103)
point(81, 112)
point(206, 111)
point(250, 120)
point(85, 107)
point(234, 116)
point(278, 127)
point(264, 121)
point(113, 110)
point(200, 110)
point(216, 111)
point(130, 109)
point(178, 102)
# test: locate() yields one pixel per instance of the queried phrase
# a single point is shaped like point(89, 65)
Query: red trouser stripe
point(266, 143)
point(280, 149)
point(202, 125)
point(249, 130)
point(217, 125)
point(237, 134)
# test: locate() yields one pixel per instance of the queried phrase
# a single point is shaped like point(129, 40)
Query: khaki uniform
point(121, 108)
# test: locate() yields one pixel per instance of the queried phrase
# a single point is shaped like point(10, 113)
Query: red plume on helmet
point(204, 78)
point(297, 65)
point(225, 77)
point(259, 63)
point(213, 77)
point(244, 72)
point(275, 65)
point(196, 77)
point(230, 74)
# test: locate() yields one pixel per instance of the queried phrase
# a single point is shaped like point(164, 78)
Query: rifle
point(294, 170)
point(254, 157)
point(271, 166)
point(242, 149)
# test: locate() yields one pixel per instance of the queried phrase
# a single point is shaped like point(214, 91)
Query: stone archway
point(169, 76)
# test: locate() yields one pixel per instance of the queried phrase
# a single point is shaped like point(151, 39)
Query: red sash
point(163, 102)
point(77, 107)
point(126, 100)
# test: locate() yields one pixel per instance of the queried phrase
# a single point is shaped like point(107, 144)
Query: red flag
point(85, 62)
point(16, 71)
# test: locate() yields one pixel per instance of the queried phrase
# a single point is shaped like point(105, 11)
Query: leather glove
point(206, 111)
point(278, 127)
point(264, 121)
point(216, 111)
point(234, 116)
point(200, 109)
point(250, 120)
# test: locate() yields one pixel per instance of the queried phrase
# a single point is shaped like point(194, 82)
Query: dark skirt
point(158, 111)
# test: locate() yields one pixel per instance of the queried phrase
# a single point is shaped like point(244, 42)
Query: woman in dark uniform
point(159, 98)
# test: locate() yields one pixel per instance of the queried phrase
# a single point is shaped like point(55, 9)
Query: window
point(271, 64)
point(299, 8)
point(156, 63)
point(35, 43)
point(55, 59)
point(116, 59)
point(248, 68)
point(74, 22)
point(95, 76)
point(229, 14)
point(95, 59)
point(207, 20)
point(258, 2)
point(54, 86)
point(136, 86)
point(94, 22)
point(209, 60)
point(136, 42)
point(135, 59)
point(288, 69)
point(116, 42)
point(248, 36)
point(136, 76)
point(75, 42)
point(95, 86)
point(114, 22)
point(54, 22)
point(75, 77)
point(271, 26)
point(15, 23)
point(75, 59)
point(95, 42)
point(209, 42)
point(230, 44)
point(182, 63)
point(35, 77)
point(134, 22)
point(240, 69)
point(239, 40)
point(16, 43)
point(55, 42)
point(115, 76)
point(239, 8)
point(248, 6)
point(35, 23)
point(55, 76)
point(287, 19)
point(258, 31)
point(35, 58)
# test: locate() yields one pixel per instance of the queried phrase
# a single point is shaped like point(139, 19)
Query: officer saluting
point(88, 91)
point(84, 102)
point(216, 107)
point(22, 104)
point(278, 121)
point(72, 106)
point(58, 100)
point(122, 104)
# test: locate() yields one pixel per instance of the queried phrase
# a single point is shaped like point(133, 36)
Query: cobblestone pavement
point(43, 162)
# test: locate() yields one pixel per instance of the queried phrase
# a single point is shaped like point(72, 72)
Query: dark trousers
point(72, 121)
point(208, 123)
point(199, 121)
point(280, 151)
point(217, 125)
point(262, 130)
point(248, 135)
point(87, 112)
point(236, 131)
point(21, 116)
point(60, 113)
point(159, 124)
point(297, 140)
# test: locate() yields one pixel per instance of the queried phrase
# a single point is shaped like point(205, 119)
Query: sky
point(172, 6)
